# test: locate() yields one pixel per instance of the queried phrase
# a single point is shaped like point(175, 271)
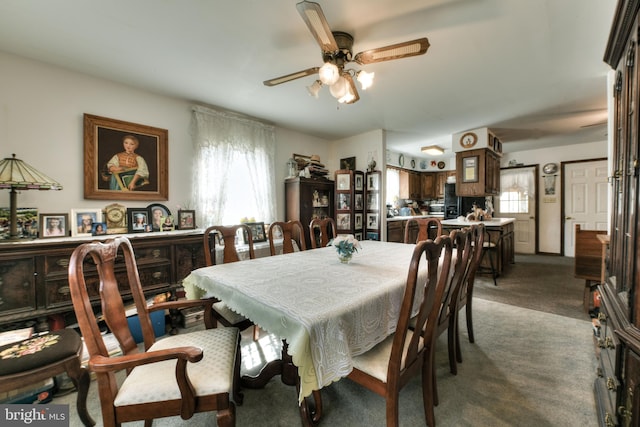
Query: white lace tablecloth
point(327, 311)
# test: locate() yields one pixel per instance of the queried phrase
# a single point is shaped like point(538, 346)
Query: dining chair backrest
point(227, 234)
point(425, 225)
point(292, 232)
point(327, 231)
point(465, 295)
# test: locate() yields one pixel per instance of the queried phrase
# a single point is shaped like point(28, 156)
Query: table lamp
point(17, 175)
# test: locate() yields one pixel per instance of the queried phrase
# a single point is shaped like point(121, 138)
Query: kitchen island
point(397, 224)
point(499, 230)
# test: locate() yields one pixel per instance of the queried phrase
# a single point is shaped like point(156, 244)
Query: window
point(393, 186)
point(517, 188)
point(233, 168)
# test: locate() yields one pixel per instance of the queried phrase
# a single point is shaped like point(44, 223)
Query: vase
point(345, 258)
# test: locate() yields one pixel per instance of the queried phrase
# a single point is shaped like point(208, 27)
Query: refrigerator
point(455, 206)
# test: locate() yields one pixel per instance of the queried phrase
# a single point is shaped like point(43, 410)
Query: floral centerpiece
point(345, 245)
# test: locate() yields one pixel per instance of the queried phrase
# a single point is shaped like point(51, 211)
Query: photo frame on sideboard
point(54, 225)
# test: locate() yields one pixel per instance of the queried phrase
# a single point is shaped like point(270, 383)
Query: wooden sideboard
point(34, 274)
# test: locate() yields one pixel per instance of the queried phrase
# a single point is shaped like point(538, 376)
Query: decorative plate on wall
point(550, 168)
point(441, 164)
point(423, 164)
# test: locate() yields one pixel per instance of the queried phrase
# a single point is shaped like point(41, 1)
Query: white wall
point(41, 121)
point(550, 219)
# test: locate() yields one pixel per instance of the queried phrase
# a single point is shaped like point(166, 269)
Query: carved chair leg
point(81, 379)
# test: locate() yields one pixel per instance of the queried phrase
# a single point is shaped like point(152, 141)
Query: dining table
point(325, 310)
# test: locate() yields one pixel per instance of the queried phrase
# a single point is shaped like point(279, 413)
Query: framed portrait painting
point(124, 161)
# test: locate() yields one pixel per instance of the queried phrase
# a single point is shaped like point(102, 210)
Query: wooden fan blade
point(292, 76)
point(314, 18)
point(353, 89)
point(394, 51)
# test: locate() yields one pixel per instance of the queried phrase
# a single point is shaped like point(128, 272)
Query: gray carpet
point(528, 367)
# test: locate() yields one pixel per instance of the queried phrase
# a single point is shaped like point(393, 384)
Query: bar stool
point(491, 248)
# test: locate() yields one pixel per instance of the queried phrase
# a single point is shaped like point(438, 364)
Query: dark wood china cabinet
point(618, 377)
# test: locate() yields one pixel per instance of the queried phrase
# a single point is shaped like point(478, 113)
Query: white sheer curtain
point(233, 168)
point(519, 180)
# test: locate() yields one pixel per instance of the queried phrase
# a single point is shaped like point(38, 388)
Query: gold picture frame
point(113, 173)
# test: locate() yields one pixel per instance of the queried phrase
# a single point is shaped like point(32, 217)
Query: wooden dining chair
point(227, 234)
point(292, 233)
point(465, 295)
point(425, 227)
point(326, 228)
point(387, 367)
point(176, 375)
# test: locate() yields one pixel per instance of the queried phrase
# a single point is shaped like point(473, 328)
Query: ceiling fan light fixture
point(348, 96)
point(365, 79)
point(314, 89)
point(433, 150)
point(339, 88)
point(329, 74)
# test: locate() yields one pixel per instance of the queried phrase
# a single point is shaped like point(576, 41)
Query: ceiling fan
point(337, 52)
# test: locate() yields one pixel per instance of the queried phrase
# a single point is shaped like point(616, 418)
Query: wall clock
point(550, 168)
point(468, 140)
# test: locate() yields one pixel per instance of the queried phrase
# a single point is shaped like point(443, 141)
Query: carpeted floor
point(533, 364)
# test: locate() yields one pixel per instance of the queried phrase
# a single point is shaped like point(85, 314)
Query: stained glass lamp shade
point(17, 175)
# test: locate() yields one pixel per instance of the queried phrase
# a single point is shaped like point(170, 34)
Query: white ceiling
point(530, 70)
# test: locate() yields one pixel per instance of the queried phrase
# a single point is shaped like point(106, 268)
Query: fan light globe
point(329, 73)
point(365, 79)
point(339, 88)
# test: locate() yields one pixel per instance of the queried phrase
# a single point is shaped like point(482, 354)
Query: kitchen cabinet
point(440, 181)
point(428, 185)
point(34, 274)
point(308, 198)
point(410, 185)
point(617, 378)
point(477, 173)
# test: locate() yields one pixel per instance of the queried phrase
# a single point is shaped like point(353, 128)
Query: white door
point(518, 200)
point(585, 199)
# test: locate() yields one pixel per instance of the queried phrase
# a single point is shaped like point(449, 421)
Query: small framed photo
point(186, 219)
point(372, 220)
point(344, 201)
point(54, 225)
point(372, 201)
point(359, 182)
point(373, 236)
point(257, 232)
point(358, 221)
point(358, 203)
point(99, 229)
point(82, 221)
point(343, 181)
point(343, 221)
point(348, 163)
point(167, 223)
point(138, 220)
point(470, 169)
point(373, 183)
point(157, 212)
point(358, 236)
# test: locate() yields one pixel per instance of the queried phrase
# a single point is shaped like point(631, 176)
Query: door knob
point(568, 217)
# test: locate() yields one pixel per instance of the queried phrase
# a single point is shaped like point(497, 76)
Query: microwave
point(436, 209)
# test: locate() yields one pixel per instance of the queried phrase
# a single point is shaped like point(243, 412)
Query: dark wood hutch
point(617, 386)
